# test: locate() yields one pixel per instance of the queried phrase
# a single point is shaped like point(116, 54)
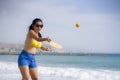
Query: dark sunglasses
point(39, 25)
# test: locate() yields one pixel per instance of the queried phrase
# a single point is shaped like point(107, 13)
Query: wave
point(10, 71)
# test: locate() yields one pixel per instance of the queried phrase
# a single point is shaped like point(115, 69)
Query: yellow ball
point(77, 25)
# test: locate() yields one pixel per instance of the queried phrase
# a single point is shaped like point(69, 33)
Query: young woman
point(26, 60)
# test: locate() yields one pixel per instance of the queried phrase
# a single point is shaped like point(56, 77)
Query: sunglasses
point(37, 25)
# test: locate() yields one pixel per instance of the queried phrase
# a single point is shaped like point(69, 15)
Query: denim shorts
point(27, 59)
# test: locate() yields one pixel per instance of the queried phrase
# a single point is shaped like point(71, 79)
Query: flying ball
point(77, 25)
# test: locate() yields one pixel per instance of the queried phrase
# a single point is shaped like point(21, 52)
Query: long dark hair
point(33, 23)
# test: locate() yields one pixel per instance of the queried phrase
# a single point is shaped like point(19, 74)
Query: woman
point(26, 60)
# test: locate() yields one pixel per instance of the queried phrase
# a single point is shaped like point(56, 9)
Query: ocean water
point(94, 67)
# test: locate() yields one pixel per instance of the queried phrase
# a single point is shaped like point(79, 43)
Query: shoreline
point(62, 54)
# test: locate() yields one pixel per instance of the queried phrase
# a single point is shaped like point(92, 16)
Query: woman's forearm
point(44, 48)
point(42, 39)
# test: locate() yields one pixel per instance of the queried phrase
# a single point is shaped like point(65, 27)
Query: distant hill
point(8, 45)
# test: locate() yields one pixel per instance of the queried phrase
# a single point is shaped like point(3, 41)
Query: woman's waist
point(26, 54)
point(31, 50)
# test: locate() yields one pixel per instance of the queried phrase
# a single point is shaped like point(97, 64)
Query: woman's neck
point(36, 32)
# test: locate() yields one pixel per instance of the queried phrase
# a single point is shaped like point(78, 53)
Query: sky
point(99, 19)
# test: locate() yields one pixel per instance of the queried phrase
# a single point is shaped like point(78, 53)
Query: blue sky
point(99, 19)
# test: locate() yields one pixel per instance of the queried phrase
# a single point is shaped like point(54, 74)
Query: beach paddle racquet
point(55, 45)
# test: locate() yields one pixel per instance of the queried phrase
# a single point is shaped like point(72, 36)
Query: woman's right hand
point(48, 39)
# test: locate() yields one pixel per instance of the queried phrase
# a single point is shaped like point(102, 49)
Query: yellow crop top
point(35, 43)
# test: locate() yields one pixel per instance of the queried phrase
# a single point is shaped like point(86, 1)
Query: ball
point(77, 25)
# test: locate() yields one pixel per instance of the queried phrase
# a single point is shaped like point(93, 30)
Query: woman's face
point(38, 26)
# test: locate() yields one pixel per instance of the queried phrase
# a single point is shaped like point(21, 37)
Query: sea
point(56, 67)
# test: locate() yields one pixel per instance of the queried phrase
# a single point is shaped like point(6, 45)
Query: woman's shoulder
point(32, 34)
point(31, 31)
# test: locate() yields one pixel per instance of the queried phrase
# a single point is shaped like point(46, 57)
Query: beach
point(105, 67)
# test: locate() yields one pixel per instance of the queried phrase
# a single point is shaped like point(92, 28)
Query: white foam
point(10, 71)
point(81, 74)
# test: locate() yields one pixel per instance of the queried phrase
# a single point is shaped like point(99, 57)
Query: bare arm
point(45, 48)
point(35, 36)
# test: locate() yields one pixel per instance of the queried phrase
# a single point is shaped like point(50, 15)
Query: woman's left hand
point(47, 49)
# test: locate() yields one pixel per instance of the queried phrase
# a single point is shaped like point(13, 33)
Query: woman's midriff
point(30, 49)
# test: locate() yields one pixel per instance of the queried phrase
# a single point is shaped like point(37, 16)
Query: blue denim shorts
point(26, 58)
